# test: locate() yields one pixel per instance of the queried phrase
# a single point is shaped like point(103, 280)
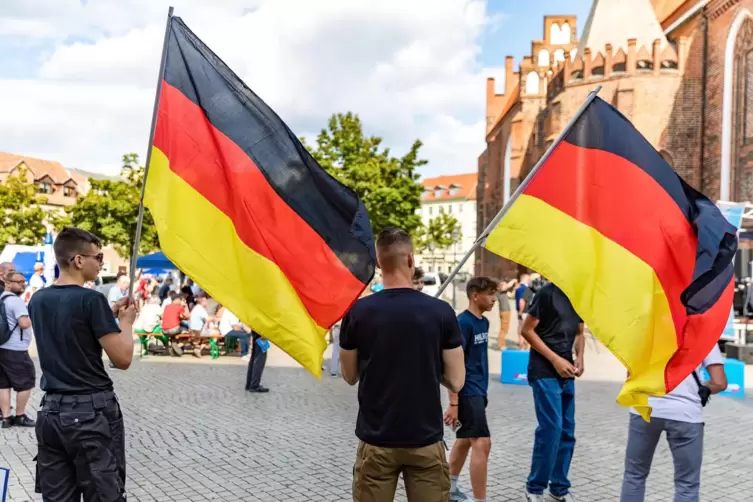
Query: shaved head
point(394, 251)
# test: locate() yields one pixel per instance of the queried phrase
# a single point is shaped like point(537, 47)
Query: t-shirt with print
point(558, 326)
point(400, 335)
point(198, 318)
point(683, 403)
point(68, 323)
point(475, 333)
point(15, 309)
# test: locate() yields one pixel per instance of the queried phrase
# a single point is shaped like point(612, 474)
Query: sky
point(78, 77)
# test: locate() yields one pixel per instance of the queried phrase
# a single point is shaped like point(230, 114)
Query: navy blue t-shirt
point(475, 333)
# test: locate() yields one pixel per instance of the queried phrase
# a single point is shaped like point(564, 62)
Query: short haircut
point(179, 296)
point(8, 276)
point(393, 245)
point(73, 241)
point(480, 285)
point(202, 294)
point(418, 274)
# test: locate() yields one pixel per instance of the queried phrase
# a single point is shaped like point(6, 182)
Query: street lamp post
point(455, 236)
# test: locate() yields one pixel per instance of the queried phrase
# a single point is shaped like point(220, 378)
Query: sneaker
point(23, 421)
point(458, 496)
point(260, 389)
point(247, 357)
point(7, 423)
point(564, 498)
point(530, 497)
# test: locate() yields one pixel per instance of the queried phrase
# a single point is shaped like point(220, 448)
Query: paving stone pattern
point(194, 434)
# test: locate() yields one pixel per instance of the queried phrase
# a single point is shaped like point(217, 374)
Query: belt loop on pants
point(51, 402)
point(99, 399)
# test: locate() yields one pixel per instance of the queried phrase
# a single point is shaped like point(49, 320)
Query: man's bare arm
point(453, 375)
point(563, 367)
point(717, 378)
point(349, 365)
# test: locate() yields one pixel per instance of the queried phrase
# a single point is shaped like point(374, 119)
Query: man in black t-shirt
point(553, 329)
point(80, 435)
point(400, 344)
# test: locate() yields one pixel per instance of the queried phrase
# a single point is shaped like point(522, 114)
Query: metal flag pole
point(492, 224)
point(158, 92)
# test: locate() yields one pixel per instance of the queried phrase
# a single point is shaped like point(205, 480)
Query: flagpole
point(158, 93)
point(492, 224)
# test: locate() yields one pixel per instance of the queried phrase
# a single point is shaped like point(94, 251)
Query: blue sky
point(521, 22)
point(77, 79)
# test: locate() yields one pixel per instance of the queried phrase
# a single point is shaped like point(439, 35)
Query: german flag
point(242, 208)
point(644, 258)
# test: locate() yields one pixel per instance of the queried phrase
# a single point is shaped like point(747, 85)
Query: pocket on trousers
point(76, 419)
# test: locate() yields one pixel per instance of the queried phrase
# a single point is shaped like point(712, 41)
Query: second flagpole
point(158, 93)
point(492, 224)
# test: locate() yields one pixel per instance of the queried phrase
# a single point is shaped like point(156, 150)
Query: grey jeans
point(686, 444)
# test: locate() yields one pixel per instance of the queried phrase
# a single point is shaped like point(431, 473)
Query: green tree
point(439, 232)
point(110, 210)
point(387, 185)
point(22, 219)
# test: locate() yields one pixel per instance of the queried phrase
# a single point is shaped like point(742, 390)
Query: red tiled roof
point(39, 168)
point(465, 183)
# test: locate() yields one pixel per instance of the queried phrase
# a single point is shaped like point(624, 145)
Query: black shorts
point(472, 418)
point(16, 370)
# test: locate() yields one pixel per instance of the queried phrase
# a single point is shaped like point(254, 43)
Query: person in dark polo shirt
point(80, 435)
point(554, 330)
point(399, 345)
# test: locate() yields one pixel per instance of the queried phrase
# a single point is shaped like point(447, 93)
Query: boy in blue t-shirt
point(467, 410)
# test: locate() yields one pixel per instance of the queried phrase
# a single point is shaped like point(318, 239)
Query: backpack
point(5, 329)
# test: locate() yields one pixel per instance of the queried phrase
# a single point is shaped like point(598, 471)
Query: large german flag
point(645, 259)
point(242, 207)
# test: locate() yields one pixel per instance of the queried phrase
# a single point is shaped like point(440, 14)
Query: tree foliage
point(22, 218)
point(438, 232)
point(387, 185)
point(110, 210)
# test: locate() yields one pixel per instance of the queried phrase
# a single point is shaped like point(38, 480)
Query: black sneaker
point(260, 389)
point(23, 421)
point(7, 423)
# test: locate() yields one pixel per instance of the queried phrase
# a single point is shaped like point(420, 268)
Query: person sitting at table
point(149, 321)
point(202, 325)
point(232, 327)
point(175, 322)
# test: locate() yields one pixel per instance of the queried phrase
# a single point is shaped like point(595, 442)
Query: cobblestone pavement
point(194, 434)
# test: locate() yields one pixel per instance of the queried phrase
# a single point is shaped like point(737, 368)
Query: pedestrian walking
point(467, 409)
point(399, 345)
point(256, 364)
point(680, 415)
point(16, 367)
point(553, 330)
point(80, 435)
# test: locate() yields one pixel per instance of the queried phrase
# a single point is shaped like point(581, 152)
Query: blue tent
point(155, 260)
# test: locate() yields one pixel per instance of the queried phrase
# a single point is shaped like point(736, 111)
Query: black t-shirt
point(400, 335)
point(68, 322)
point(163, 291)
point(557, 328)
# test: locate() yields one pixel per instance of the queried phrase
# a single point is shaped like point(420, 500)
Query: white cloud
point(409, 69)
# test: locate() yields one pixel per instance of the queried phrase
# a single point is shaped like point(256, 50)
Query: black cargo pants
point(81, 448)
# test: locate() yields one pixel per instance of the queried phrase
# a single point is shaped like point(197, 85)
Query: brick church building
point(680, 70)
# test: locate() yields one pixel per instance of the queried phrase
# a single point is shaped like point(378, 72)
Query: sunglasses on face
point(99, 256)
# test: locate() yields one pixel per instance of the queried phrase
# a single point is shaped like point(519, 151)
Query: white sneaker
point(530, 497)
point(247, 357)
point(565, 498)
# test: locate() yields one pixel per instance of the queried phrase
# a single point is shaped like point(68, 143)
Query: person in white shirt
point(680, 415)
point(36, 281)
point(201, 324)
point(231, 327)
point(16, 367)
